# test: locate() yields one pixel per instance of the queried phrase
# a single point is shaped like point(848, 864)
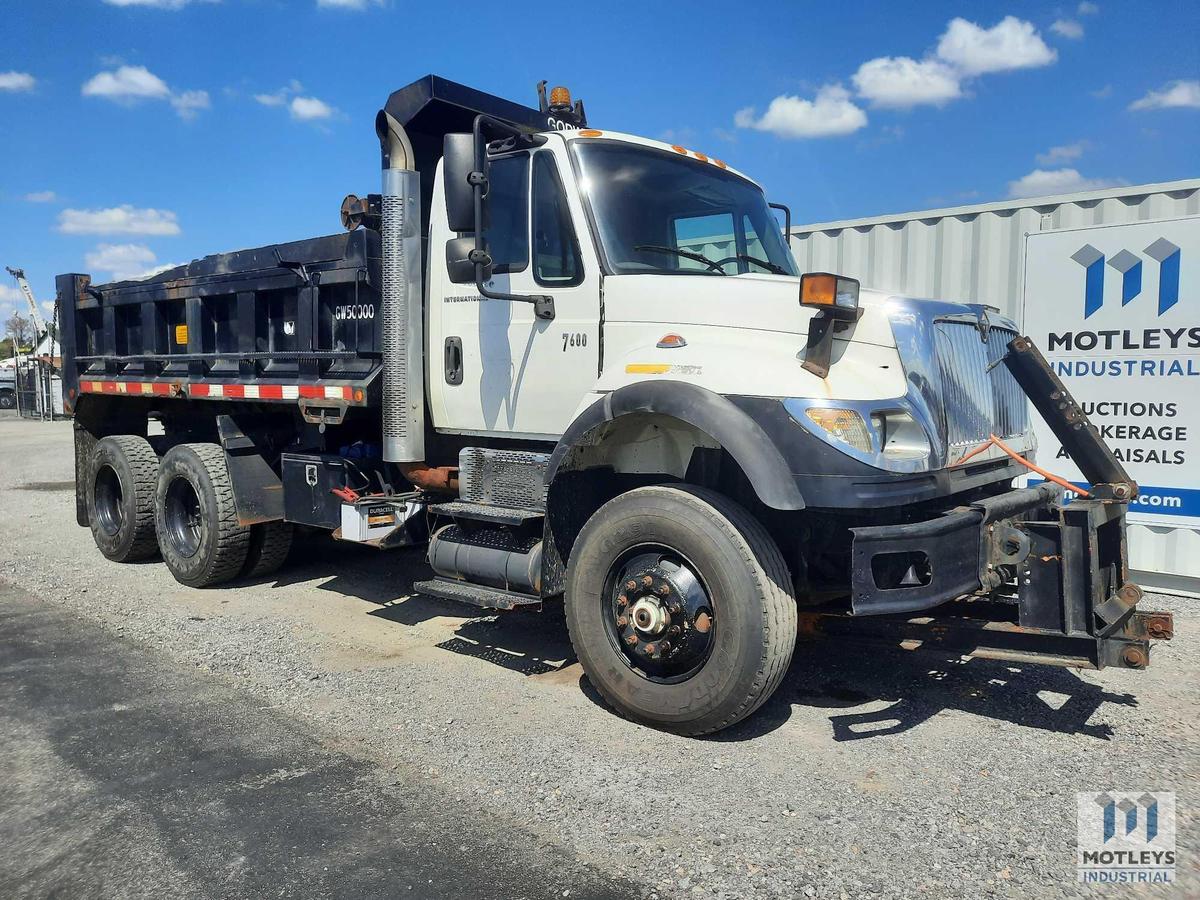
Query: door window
point(507, 234)
point(556, 258)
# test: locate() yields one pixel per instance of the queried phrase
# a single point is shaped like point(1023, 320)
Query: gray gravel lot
point(870, 773)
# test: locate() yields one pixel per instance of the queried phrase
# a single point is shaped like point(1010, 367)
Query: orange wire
point(993, 440)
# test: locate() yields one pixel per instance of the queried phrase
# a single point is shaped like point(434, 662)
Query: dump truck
point(583, 367)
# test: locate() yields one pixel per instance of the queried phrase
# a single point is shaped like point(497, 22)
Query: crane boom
point(39, 324)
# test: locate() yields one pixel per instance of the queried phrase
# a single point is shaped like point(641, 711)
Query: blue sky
point(142, 133)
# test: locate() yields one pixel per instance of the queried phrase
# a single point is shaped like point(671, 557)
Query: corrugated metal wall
point(977, 253)
point(973, 252)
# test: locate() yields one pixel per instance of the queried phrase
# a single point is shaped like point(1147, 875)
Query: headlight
point(884, 434)
point(846, 425)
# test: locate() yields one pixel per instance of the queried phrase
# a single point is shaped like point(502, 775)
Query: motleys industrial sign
point(1116, 310)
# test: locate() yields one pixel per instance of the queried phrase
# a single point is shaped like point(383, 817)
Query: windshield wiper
point(686, 254)
point(769, 266)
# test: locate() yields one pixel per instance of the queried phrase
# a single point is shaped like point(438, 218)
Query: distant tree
point(21, 330)
point(6, 348)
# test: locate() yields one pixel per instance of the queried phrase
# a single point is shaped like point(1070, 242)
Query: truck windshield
point(660, 212)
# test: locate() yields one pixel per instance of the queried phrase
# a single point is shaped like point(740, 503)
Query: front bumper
point(1055, 572)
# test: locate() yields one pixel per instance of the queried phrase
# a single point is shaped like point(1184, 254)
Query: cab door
point(508, 372)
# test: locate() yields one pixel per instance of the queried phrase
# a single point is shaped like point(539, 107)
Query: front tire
point(120, 497)
point(198, 532)
point(680, 608)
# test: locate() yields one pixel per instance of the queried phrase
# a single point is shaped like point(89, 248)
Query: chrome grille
point(975, 402)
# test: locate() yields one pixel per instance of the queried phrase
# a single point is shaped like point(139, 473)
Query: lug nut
point(649, 648)
point(665, 646)
point(647, 580)
point(622, 621)
point(630, 585)
point(622, 600)
point(631, 640)
point(673, 630)
point(664, 589)
point(674, 609)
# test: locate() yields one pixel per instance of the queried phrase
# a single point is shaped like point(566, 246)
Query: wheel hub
point(659, 615)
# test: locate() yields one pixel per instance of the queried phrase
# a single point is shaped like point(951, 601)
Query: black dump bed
point(282, 322)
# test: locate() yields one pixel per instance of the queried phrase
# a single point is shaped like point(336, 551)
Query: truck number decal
point(355, 311)
point(573, 339)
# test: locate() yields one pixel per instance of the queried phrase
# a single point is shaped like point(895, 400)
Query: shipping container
point(977, 253)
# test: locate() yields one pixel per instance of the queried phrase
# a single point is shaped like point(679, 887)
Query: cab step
point(477, 594)
point(483, 512)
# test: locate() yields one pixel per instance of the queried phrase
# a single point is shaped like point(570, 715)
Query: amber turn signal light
point(835, 293)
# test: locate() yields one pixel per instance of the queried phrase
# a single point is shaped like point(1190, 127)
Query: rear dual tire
point(120, 498)
point(198, 531)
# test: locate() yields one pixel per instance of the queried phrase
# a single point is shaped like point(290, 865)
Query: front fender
point(738, 434)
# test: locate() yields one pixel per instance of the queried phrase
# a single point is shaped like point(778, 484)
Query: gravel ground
point(871, 773)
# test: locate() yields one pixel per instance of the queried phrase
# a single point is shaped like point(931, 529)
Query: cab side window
point(507, 234)
point(556, 259)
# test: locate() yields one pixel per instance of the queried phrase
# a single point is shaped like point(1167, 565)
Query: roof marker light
point(671, 342)
point(590, 132)
point(700, 156)
point(679, 149)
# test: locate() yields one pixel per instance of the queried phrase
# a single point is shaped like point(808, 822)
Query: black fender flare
point(737, 433)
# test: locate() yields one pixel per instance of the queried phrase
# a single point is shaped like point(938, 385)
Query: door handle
point(454, 360)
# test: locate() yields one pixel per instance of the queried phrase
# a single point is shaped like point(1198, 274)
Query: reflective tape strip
point(159, 388)
point(227, 391)
point(274, 391)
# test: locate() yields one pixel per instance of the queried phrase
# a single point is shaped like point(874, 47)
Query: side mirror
point(459, 265)
point(458, 162)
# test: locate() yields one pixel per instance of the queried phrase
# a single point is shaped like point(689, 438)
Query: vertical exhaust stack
point(402, 308)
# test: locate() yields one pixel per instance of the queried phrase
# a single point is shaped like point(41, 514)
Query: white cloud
point(902, 82)
point(1011, 44)
point(17, 81)
point(280, 97)
point(309, 109)
point(348, 4)
point(157, 4)
point(127, 84)
point(830, 114)
point(1102, 93)
point(1068, 28)
point(276, 99)
point(131, 84)
point(124, 219)
point(1062, 154)
point(41, 197)
point(1180, 94)
point(120, 261)
point(1087, 9)
point(188, 103)
point(156, 270)
point(1044, 182)
point(8, 294)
